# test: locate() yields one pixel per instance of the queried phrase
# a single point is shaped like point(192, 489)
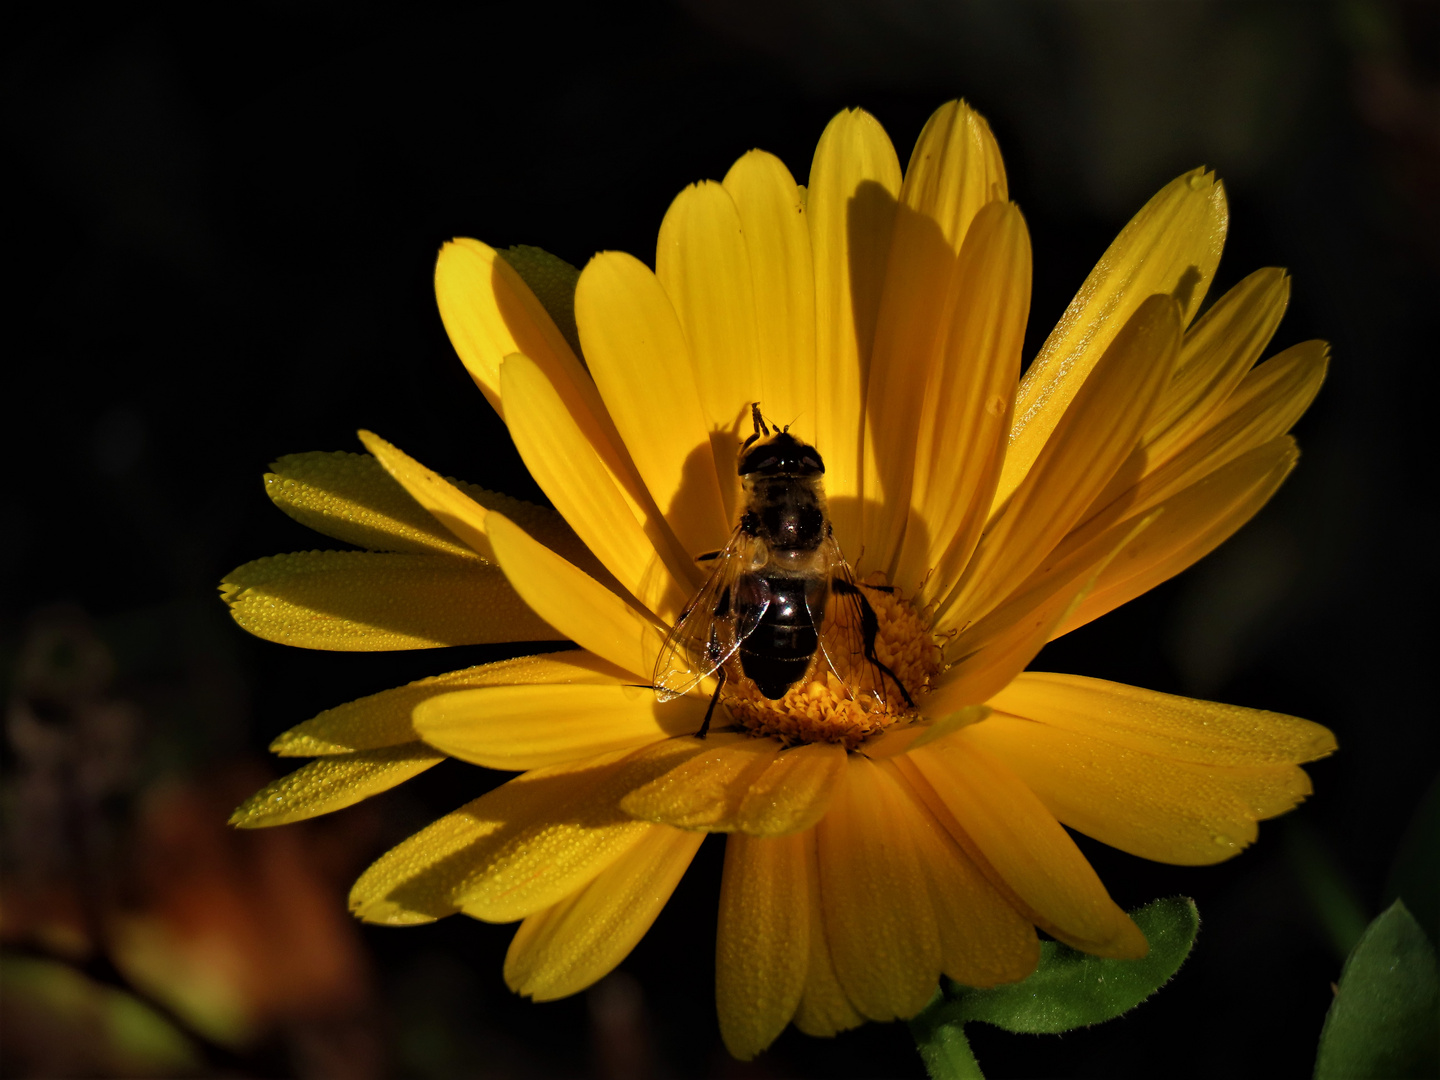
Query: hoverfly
point(773, 586)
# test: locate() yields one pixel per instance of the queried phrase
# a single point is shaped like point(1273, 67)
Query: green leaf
point(1415, 876)
point(1383, 1019)
point(1071, 989)
point(1068, 989)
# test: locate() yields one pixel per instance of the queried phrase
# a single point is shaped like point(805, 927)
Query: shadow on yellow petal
point(998, 820)
point(854, 186)
point(881, 926)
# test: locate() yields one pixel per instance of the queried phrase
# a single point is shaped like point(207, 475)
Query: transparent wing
point(848, 628)
point(723, 613)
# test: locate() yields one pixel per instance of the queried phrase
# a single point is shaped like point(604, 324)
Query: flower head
point(895, 810)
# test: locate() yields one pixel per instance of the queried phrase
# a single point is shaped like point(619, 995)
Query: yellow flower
point(871, 849)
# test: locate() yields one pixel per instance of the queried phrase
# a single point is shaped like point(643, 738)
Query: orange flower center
point(825, 709)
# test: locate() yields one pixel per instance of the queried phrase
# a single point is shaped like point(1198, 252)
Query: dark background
point(222, 236)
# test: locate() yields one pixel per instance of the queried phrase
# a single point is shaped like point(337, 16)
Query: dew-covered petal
point(777, 237)
point(1171, 246)
point(1186, 729)
point(985, 806)
point(1151, 806)
point(516, 850)
point(640, 553)
point(360, 601)
point(383, 719)
point(1218, 350)
point(1095, 436)
point(854, 184)
point(587, 612)
point(352, 498)
point(489, 313)
point(762, 949)
point(748, 785)
point(962, 418)
point(984, 940)
point(824, 1010)
point(1190, 525)
point(707, 789)
point(530, 727)
point(565, 948)
point(876, 894)
point(703, 263)
point(642, 365)
point(333, 783)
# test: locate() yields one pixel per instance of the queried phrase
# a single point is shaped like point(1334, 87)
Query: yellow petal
point(1219, 349)
point(992, 652)
point(824, 1010)
point(565, 948)
point(1264, 406)
point(748, 785)
point(984, 804)
point(954, 171)
point(333, 783)
point(446, 503)
point(530, 727)
point(983, 939)
point(703, 263)
point(489, 313)
point(777, 237)
point(383, 719)
point(1205, 732)
point(514, 851)
point(762, 949)
point(1154, 807)
point(576, 478)
point(1096, 434)
point(552, 280)
point(360, 601)
point(1171, 246)
point(1190, 526)
point(706, 791)
point(587, 612)
point(352, 498)
point(962, 418)
point(854, 185)
point(876, 894)
point(643, 369)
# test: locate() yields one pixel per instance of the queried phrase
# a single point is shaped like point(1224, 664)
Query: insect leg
point(719, 683)
point(869, 630)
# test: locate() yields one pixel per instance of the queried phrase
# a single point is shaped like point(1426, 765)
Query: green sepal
point(1383, 1019)
point(552, 280)
point(1068, 989)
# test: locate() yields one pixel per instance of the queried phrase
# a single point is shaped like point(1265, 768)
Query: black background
point(222, 236)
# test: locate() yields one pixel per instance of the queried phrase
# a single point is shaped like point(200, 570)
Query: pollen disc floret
point(825, 710)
